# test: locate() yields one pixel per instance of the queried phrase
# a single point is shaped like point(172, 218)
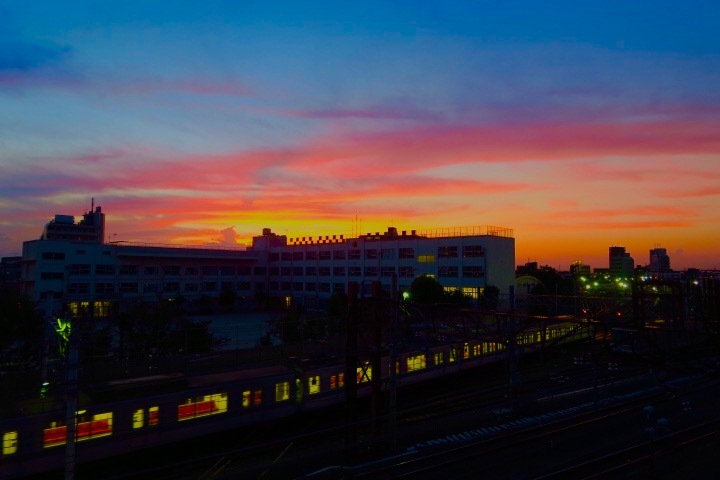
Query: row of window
point(403, 272)
point(452, 251)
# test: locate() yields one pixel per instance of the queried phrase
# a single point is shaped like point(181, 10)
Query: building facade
point(659, 260)
point(621, 263)
point(91, 274)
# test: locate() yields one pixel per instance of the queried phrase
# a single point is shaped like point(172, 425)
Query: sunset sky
point(578, 124)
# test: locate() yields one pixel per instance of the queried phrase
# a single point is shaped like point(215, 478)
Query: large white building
point(79, 273)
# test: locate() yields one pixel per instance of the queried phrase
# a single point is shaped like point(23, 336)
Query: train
point(152, 411)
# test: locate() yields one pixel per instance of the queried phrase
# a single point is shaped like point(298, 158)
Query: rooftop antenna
point(92, 204)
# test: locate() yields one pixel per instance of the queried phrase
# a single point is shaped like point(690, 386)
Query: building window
point(171, 270)
point(128, 269)
point(227, 286)
point(448, 252)
point(227, 271)
point(339, 254)
point(191, 287)
point(244, 270)
point(311, 255)
point(102, 269)
point(297, 271)
point(354, 272)
point(298, 256)
point(472, 292)
point(150, 287)
point(244, 286)
point(426, 258)
point(325, 255)
point(297, 286)
point(371, 254)
point(274, 257)
point(387, 253)
point(259, 271)
point(310, 271)
point(273, 286)
point(210, 270)
point(354, 254)
point(310, 286)
point(448, 271)
point(286, 271)
point(286, 256)
point(191, 271)
point(209, 286)
point(339, 287)
point(407, 272)
point(371, 271)
point(274, 271)
point(339, 271)
point(151, 270)
point(78, 288)
point(53, 256)
point(473, 251)
point(406, 253)
point(472, 272)
point(285, 286)
point(324, 287)
point(104, 288)
point(79, 269)
point(387, 271)
point(128, 287)
point(324, 271)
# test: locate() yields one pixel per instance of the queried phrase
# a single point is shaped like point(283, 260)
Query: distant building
point(10, 272)
point(76, 269)
point(578, 268)
point(90, 229)
point(659, 261)
point(621, 263)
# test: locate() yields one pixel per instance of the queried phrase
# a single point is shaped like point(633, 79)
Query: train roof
point(238, 375)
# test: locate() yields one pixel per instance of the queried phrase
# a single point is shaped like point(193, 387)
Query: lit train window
point(99, 425)
point(153, 416)
point(337, 381)
point(364, 373)
point(453, 355)
point(313, 384)
point(9, 445)
point(282, 391)
point(203, 406)
point(397, 367)
point(438, 358)
point(477, 350)
point(417, 362)
point(251, 398)
point(466, 351)
point(139, 418)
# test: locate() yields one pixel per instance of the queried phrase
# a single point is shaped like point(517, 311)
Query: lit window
point(364, 373)
point(100, 425)
point(139, 418)
point(153, 416)
point(9, 445)
point(418, 362)
point(203, 406)
point(426, 258)
point(313, 384)
point(337, 381)
point(282, 391)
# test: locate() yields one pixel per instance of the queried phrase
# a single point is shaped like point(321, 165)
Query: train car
point(179, 408)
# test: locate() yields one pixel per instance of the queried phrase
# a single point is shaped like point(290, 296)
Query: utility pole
point(71, 395)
